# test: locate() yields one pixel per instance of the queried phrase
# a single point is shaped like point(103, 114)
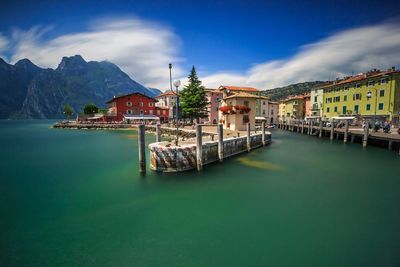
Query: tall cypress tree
point(193, 98)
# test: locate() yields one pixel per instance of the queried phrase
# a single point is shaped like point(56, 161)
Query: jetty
point(359, 135)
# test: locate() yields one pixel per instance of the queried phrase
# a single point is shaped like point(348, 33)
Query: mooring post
point(199, 148)
point(248, 137)
point(158, 133)
point(390, 144)
point(141, 149)
point(220, 142)
point(311, 127)
point(320, 129)
point(263, 133)
point(346, 131)
point(332, 130)
point(302, 127)
point(365, 137)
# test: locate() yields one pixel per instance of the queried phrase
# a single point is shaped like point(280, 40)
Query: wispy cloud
point(141, 48)
point(3, 44)
point(343, 53)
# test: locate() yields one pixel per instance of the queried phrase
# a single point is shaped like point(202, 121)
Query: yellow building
point(292, 108)
point(375, 94)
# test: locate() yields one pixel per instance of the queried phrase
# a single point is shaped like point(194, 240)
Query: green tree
point(90, 109)
point(193, 98)
point(68, 111)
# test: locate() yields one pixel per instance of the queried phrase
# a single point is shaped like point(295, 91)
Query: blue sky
point(228, 41)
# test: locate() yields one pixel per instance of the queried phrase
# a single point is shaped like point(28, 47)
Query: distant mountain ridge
point(281, 93)
point(28, 91)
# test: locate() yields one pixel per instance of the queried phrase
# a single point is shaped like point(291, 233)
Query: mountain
point(14, 82)
point(280, 93)
point(155, 91)
point(28, 91)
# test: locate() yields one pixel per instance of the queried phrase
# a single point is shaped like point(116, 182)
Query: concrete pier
point(141, 149)
point(365, 136)
point(199, 148)
point(346, 131)
point(220, 130)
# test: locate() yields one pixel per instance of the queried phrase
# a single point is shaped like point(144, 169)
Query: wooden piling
point(141, 149)
point(302, 127)
point(390, 144)
point(248, 137)
point(220, 142)
point(263, 133)
point(199, 148)
point(353, 137)
point(332, 131)
point(365, 137)
point(346, 131)
point(158, 133)
point(311, 128)
point(320, 129)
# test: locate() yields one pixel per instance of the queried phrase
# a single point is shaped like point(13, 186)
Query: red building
point(132, 106)
point(162, 113)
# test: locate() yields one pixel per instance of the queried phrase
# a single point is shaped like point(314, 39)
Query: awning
point(260, 119)
point(96, 117)
point(343, 118)
point(141, 117)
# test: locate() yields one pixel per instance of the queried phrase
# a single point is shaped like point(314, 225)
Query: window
point(345, 98)
point(141, 112)
point(141, 104)
point(371, 83)
point(151, 104)
point(129, 104)
point(328, 110)
point(129, 111)
point(158, 112)
point(245, 119)
point(356, 108)
point(315, 98)
point(357, 97)
point(380, 106)
point(358, 85)
point(329, 100)
point(263, 111)
point(344, 110)
point(217, 99)
point(384, 80)
point(368, 107)
point(382, 93)
point(335, 109)
point(264, 103)
point(336, 99)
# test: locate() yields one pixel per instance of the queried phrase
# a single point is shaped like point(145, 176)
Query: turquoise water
point(75, 198)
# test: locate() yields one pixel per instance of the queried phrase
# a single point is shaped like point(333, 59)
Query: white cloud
point(355, 50)
point(3, 44)
point(140, 48)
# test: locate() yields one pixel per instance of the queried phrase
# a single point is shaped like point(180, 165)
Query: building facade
point(273, 112)
point(135, 104)
point(373, 95)
point(167, 100)
point(214, 98)
point(317, 99)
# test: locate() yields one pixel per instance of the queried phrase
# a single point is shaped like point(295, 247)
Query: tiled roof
point(361, 77)
point(167, 93)
point(116, 97)
point(244, 95)
point(238, 88)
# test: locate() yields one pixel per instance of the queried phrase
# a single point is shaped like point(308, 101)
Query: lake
point(75, 198)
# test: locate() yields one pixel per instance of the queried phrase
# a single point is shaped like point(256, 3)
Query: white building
point(317, 99)
point(167, 99)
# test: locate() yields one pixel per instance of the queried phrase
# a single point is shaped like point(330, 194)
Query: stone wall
point(166, 158)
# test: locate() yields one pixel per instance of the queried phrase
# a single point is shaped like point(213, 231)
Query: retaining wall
point(165, 158)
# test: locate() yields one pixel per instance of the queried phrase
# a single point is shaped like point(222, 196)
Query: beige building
point(167, 100)
point(237, 109)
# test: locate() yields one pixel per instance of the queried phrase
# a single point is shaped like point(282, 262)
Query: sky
point(263, 44)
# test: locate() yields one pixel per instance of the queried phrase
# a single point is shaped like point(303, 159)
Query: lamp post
point(177, 84)
point(369, 95)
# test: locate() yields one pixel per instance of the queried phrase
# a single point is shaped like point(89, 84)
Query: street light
point(177, 84)
point(369, 95)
